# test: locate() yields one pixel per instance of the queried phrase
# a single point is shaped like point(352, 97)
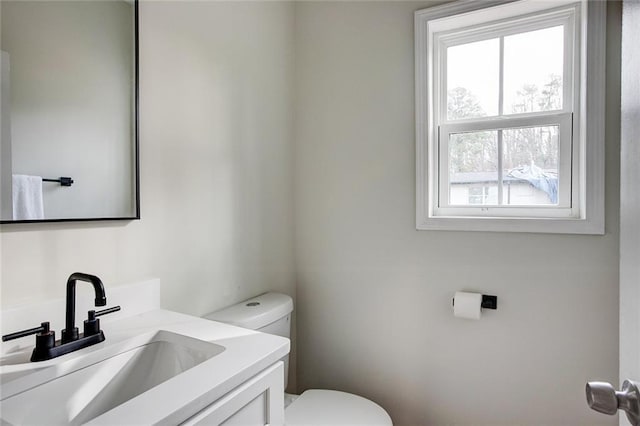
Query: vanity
point(154, 367)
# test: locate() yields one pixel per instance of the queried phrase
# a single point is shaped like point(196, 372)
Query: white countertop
point(246, 354)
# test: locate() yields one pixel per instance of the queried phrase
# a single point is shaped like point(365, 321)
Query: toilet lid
point(324, 407)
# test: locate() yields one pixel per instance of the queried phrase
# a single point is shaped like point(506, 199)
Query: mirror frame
point(136, 162)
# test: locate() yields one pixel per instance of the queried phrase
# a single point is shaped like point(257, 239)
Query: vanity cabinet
point(258, 401)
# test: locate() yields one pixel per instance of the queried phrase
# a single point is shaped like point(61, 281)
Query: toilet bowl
point(271, 313)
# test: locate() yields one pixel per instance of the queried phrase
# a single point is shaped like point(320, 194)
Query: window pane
point(473, 168)
point(473, 71)
point(533, 65)
point(530, 175)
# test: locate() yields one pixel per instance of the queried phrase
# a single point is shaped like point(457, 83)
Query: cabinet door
point(258, 401)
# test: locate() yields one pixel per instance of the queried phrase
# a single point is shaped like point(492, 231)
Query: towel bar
point(63, 181)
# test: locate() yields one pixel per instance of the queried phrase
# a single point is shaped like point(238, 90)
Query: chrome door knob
point(603, 397)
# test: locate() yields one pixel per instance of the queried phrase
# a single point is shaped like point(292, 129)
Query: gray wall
point(374, 294)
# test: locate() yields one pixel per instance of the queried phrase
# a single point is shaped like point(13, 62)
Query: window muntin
point(478, 74)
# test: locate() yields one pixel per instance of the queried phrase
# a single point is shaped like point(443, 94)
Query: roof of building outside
point(484, 177)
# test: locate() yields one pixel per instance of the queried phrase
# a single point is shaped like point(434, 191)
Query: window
point(481, 195)
point(506, 139)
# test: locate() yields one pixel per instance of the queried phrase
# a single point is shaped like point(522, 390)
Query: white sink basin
point(105, 380)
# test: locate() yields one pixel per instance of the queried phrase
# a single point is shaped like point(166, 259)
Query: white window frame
point(581, 209)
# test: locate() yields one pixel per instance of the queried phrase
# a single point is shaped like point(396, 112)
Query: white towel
point(27, 198)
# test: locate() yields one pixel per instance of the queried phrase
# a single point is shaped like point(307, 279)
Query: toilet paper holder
point(488, 302)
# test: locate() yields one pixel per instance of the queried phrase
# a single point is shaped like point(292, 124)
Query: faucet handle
point(106, 311)
point(43, 329)
point(92, 323)
point(45, 339)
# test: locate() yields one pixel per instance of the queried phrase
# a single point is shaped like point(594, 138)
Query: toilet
point(271, 313)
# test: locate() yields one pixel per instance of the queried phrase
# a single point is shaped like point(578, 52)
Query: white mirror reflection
point(69, 142)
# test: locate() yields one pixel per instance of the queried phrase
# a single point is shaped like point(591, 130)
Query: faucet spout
point(70, 332)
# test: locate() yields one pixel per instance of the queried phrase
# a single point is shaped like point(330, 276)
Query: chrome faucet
point(70, 332)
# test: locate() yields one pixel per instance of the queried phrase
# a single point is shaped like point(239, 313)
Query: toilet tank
point(269, 313)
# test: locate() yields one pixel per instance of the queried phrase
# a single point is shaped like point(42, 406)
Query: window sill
point(497, 224)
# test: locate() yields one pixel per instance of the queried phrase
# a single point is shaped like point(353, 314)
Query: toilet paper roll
point(467, 305)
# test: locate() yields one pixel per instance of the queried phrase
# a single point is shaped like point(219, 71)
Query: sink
point(105, 380)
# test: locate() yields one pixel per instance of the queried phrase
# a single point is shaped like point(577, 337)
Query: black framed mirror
point(70, 111)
